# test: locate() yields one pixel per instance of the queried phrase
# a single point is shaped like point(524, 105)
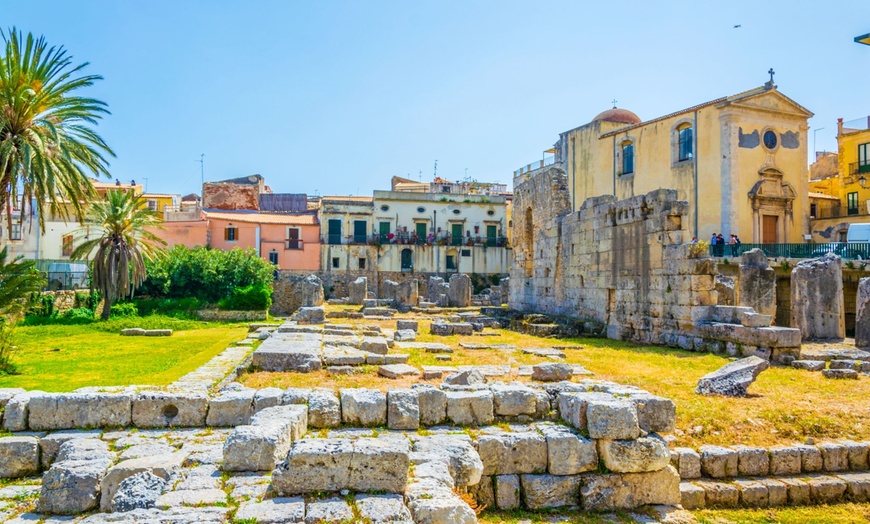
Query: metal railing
point(405, 238)
point(538, 164)
point(855, 251)
point(856, 168)
point(63, 273)
point(293, 243)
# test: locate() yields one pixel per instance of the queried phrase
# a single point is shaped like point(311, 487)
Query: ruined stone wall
point(622, 263)
point(229, 196)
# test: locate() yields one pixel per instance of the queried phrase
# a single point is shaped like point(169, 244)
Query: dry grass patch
point(785, 405)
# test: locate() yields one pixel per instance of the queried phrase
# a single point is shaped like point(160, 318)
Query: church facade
point(739, 161)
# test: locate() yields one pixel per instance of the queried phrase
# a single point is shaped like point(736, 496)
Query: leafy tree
point(19, 279)
point(47, 145)
point(120, 252)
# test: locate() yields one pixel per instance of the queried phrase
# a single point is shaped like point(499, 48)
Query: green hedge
point(208, 275)
point(248, 298)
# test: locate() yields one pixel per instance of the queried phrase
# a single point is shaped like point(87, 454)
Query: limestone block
point(463, 461)
point(835, 456)
point(276, 510)
point(403, 409)
point(514, 399)
point(752, 494)
point(655, 414)
point(260, 446)
point(267, 398)
point(634, 456)
point(163, 466)
point(798, 490)
point(441, 329)
point(19, 457)
point(507, 491)
point(156, 409)
point(404, 335)
point(433, 404)
point(460, 290)
point(630, 490)
point(78, 410)
point(309, 315)
point(733, 378)
point(752, 462)
point(777, 492)
point(365, 464)
point(757, 283)
point(16, 411)
point(231, 408)
point(484, 492)
point(568, 452)
point(406, 325)
point(573, 406)
point(357, 291)
point(809, 365)
point(329, 511)
point(551, 372)
point(687, 461)
point(377, 345)
point(785, 460)
point(840, 373)
point(858, 454)
point(811, 459)
point(363, 407)
point(72, 485)
point(470, 408)
point(295, 396)
point(462, 328)
point(862, 314)
point(691, 496)
point(140, 491)
point(718, 462)
point(512, 453)
point(49, 445)
point(826, 490)
point(469, 377)
point(817, 298)
point(857, 486)
point(382, 509)
point(719, 494)
point(324, 409)
point(397, 370)
point(612, 419)
point(550, 491)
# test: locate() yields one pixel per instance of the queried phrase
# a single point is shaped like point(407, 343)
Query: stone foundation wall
point(230, 316)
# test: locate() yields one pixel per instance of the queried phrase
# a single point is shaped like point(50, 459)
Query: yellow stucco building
point(845, 182)
point(740, 162)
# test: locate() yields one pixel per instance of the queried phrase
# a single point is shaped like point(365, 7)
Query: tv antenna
point(201, 168)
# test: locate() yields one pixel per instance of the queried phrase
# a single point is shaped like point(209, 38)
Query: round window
point(385, 208)
point(421, 209)
point(456, 211)
point(770, 139)
point(490, 212)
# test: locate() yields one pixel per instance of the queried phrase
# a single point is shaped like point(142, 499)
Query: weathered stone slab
point(862, 314)
point(464, 463)
point(330, 511)
point(433, 404)
point(551, 372)
point(817, 298)
point(630, 490)
point(284, 351)
point(733, 378)
point(231, 408)
point(507, 492)
point(49, 445)
point(785, 460)
point(460, 290)
point(72, 485)
point(140, 491)
point(365, 464)
point(397, 370)
point(655, 414)
point(718, 462)
point(757, 283)
point(163, 466)
point(157, 409)
point(324, 408)
point(687, 461)
point(258, 447)
point(78, 410)
point(357, 291)
point(470, 408)
point(382, 509)
point(840, 373)
point(752, 461)
point(612, 419)
point(465, 378)
point(568, 452)
point(363, 407)
point(634, 456)
point(403, 409)
point(550, 491)
point(512, 453)
point(19, 457)
point(809, 365)
point(513, 400)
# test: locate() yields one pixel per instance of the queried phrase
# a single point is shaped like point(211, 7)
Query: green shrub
point(205, 274)
point(78, 315)
point(172, 307)
point(248, 298)
point(124, 309)
point(7, 367)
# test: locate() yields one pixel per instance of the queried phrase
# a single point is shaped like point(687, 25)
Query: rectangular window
point(67, 247)
point(335, 262)
point(685, 139)
point(362, 263)
point(152, 205)
point(334, 231)
point(627, 159)
point(273, 257)
point(864, 158)
point(293, 241)
point(384, 230)
point(16, 232)
point(231, 234)
point(360, 231)
point(466, 252)
point(852, 203)
point(814, 210)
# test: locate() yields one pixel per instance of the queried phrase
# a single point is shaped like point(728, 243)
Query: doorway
point(769, 225)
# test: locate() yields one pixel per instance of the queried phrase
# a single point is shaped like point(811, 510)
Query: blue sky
point(335, 97)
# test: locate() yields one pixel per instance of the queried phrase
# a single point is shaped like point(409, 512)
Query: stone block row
point(266, 440)
point(761, 492)
point(739, 461)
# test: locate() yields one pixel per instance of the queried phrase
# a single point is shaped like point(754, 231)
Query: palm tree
point(47, 145)
point(18, 280)
point(119, 253)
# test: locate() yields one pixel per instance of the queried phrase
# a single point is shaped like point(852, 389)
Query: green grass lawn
point(64, 358)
